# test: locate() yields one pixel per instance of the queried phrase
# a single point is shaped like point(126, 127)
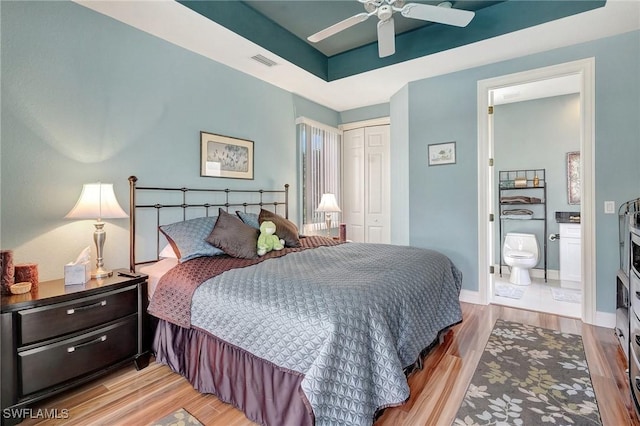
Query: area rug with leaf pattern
point(529, 375)
point(179, 417)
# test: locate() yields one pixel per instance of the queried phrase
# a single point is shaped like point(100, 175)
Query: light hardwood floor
point(129, 397)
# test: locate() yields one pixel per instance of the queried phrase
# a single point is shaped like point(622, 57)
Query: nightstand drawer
point(77, 356)
point(56, 320)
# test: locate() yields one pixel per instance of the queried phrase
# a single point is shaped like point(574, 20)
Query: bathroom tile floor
point(538, 297)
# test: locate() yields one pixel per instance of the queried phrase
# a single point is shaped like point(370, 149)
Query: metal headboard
point(263, 199)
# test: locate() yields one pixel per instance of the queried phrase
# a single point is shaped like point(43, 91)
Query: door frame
point(586, 69)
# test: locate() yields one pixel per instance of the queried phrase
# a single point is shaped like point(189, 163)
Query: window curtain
point(320, 160)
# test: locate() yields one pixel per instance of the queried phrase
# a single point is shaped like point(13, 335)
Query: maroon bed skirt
point(266, 393)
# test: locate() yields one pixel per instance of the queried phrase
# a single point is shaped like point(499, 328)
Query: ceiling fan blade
point(386, 38)
point(336, 28)
point(440, 14)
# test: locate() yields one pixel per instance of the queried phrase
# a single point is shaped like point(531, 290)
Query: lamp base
point(98, 237)
point(327, 222)
point(101, 273)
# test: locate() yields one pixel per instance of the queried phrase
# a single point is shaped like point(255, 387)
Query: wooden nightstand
point(58, 337)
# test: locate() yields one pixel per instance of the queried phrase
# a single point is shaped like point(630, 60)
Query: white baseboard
point(605, 319)
point(470, 296)
point(552, 274)
point(602, 319)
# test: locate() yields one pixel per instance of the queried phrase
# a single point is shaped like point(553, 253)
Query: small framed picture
point(573, 177)
point(442, 153)
point(225, 156)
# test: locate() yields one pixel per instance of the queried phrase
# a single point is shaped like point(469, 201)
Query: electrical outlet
point(609, 207)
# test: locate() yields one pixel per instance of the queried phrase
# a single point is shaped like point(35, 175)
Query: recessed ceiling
point(181, 26)
point(303, 18)
point(282, 27)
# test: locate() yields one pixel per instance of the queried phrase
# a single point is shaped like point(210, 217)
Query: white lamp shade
point(328, 204)
point(97, 201)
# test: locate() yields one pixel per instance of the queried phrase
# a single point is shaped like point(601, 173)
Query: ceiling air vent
point(264, 60)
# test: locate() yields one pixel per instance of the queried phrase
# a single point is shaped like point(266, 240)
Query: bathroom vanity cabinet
point(570, 252)
point(521, 192)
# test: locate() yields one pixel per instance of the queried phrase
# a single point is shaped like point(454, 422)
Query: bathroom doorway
point(534, 100)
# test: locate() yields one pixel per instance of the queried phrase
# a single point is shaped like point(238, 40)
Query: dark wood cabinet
point(634, 315)
point(58, 337)
point(628, 292)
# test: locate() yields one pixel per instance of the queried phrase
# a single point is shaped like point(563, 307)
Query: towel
point(516, 214)
point(519, 199)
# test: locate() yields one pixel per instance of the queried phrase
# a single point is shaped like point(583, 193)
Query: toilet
point(521, 253)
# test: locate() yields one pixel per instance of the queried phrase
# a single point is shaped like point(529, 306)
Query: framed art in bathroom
point(225, 156)
point(442, 153)
point(573, 177)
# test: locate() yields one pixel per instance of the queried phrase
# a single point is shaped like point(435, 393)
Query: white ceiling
point(538, 89)
point(185, 28)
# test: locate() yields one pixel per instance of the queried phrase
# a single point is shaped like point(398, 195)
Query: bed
point(322, 332)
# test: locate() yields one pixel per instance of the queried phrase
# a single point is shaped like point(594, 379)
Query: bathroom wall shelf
point(520, 192)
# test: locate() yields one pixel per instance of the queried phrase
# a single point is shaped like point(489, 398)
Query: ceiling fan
point(443, 13)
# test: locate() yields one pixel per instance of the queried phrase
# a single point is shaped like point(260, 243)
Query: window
point(320, 170)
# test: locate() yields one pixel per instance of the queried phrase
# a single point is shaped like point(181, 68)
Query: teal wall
point(399, 166)
point(537, 134)
point(306, 108)
point(86, 98)
point(443, 199)
point(365, 113)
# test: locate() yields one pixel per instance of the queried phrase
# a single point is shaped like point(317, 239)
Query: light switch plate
point(609, 207)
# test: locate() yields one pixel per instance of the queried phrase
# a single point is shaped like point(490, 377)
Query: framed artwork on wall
point(442, 153)
point(225, 156)
point(573, 177)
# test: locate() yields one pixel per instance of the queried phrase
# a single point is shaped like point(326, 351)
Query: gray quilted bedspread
point(348, 317)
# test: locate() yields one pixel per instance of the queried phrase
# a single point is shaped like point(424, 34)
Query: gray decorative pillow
point(250, 219)
point(285, 229)
point(234, 237)
point(187, 238)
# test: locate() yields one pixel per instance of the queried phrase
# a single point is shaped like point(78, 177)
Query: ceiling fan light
point(385, 12)
point(443, 13)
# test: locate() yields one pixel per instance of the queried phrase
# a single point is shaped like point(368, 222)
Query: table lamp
point(328, 205)
point(97, 201)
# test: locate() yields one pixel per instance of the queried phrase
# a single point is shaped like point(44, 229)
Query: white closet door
point(366, 184)
point(353, 184)
point(377, 184)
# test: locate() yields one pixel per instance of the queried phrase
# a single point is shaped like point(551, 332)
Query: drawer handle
point(99, 304)
point(89, 343)
point(638, 340)
point(638, 383)
point(637, 294)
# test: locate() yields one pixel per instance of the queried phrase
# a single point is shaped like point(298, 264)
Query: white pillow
point(167, 253)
